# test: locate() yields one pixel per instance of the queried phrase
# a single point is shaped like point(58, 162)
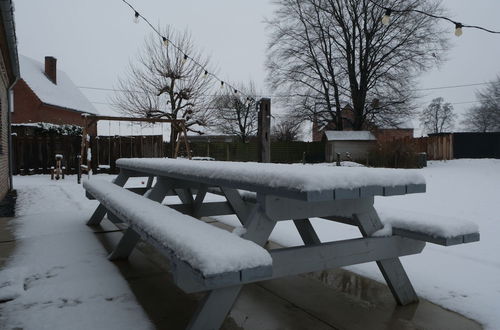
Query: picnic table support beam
point(185, 195)
point(306, 231)
point(198, 201)
point(159, 191)
point(392, 269)
point(259, 226)
point(125, 246)
point(100, 211)
point(150, 182)
point(318, 257)
point(214, 307)
point(239, 206)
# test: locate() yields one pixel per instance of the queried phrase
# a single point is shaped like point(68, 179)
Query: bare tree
point(163, 83)
point(287, 129)
point(438, 116)
point(328, 53)
point(486, 116)
point(235, 113)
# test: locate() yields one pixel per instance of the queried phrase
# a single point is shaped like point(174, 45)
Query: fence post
point(79, 176)
point(264, 129)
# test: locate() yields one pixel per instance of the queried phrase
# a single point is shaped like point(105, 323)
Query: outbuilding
point(349, 145)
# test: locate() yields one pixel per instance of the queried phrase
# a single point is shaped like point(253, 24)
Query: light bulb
point(221, 84)
point(205, 74)
point(136, 17)
point(165, 41)
point(386, 19)
point(458, 29)
point(184, 59)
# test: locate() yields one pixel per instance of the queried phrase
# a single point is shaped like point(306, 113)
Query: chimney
point(51, 68)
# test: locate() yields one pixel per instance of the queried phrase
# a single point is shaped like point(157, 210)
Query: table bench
point(275, 193)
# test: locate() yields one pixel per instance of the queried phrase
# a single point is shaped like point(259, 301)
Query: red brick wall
point(384, 135)
point(29, 109)
point(4, 141)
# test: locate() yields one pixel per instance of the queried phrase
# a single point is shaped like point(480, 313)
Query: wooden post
point(264, 130)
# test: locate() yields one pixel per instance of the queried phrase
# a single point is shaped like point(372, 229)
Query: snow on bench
point(207, 249)
point(431, 228)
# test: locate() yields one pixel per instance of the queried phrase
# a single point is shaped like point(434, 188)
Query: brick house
point(46, 94)
point(387, 133)
point(9, 73)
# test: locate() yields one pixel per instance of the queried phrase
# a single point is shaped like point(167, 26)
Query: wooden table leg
point(392, 269)
point(214, 308)
point(100, 211)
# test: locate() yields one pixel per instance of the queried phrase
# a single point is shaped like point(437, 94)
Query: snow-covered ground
point(60, 274)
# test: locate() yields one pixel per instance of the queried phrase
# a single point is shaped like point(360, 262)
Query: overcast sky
point(94, 41)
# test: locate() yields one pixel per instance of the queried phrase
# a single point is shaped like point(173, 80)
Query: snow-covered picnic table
point(205, 258)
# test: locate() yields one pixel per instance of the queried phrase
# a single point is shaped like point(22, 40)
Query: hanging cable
point(386, 19)
point(167, 42)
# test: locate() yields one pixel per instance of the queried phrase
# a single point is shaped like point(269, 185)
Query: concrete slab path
point(327, 300)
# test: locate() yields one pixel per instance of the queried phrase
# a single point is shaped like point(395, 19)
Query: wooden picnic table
point(263, 194)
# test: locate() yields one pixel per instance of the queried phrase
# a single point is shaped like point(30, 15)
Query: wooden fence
point(36, 154)
point(106, 150)
point(281, 152)
point(437, 147)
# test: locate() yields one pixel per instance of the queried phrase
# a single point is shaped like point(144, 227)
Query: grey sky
point(94, 40)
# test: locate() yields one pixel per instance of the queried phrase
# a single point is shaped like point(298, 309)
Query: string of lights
point(386, 19)
point(167, 42)
point(290, 95)
point(453, 103)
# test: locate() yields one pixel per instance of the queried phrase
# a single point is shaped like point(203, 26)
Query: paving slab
point(335, 299)
point(7, 240)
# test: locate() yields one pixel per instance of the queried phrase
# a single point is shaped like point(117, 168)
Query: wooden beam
point(137, 119)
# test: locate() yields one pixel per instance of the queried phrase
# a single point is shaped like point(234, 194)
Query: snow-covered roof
point(64, 94)
point(349, 136)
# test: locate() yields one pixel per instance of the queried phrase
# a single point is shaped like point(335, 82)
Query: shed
point(350, 145)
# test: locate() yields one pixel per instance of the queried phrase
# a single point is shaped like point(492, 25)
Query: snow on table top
point(63, 94)
point(207, 248)
point(434, 225)
point(288, 176)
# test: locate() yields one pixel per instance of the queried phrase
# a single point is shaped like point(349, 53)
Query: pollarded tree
point(438, 117)
point(235, 112)
point(165, 83)
point(486, 116)
point(326, 53)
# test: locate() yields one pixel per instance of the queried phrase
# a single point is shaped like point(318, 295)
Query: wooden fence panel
point(36, 154)
point(281, 152)
point(437, 147)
